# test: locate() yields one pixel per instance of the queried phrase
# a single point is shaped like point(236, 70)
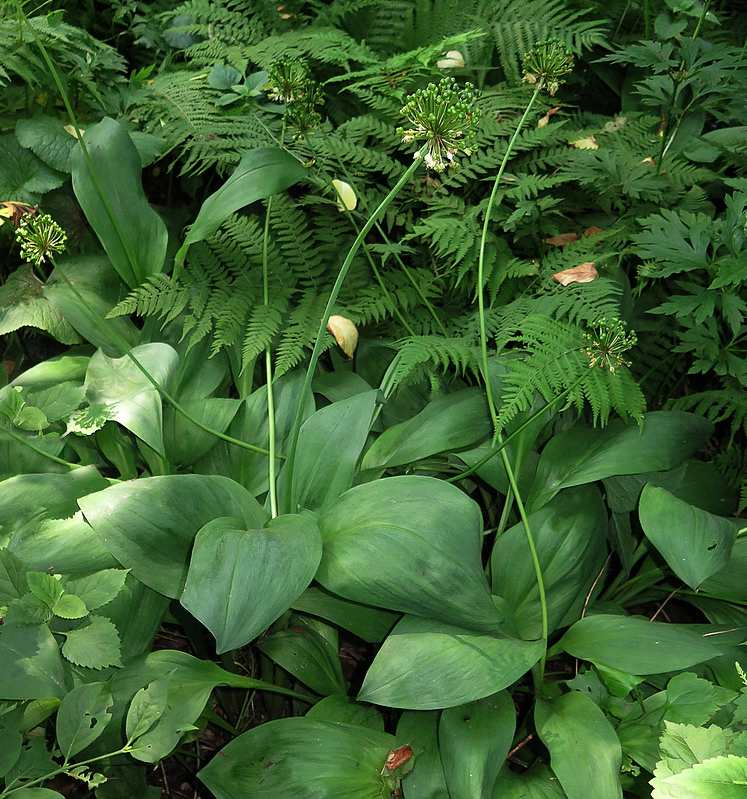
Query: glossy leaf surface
point(241, 580)
point(694, 543)
point(131, 232)
point(637, 646)
point(426, 664)
point(149, 525)
point(584, 749)
point(411, 544)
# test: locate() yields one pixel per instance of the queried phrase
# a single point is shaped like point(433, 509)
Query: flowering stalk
point(443, 116)
point(544, 67)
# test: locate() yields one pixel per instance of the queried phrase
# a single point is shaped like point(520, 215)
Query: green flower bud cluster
point(444, 116)
point(289, 83)
point(547, 63)
point(40, 237)
point(608, 343)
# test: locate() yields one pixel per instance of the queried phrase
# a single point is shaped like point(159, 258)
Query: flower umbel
point(443, 115)
point(290, 84)
point(40, 237)
point(547, 63)
point(608, 343)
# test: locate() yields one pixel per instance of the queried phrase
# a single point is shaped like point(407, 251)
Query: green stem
point(122, 342)
point(40, 451)
point(505, 442)
point(319, 342)
point(497, 438)
point(271, 440)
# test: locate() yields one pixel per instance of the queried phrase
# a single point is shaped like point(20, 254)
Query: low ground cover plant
point(374, 409)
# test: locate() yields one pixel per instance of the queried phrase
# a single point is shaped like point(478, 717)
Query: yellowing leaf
point(589, 143)
point(452, 60)
point(583, 273)
point(345, 195)
point(546, 118)
point(345, 333)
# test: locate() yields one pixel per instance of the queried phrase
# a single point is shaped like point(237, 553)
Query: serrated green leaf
point(95, 645)
point(30, 418)
point(23, 304)
point(82, 717)
point(45, 587)
point(97, 589)
point(23, 176)
point(70, 606)
point(30, 663)
point(47, 138)
point(13, 584)
point(87, 421)
point(722, 777)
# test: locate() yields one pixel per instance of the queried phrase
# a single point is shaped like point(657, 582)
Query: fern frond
point(728, 404)
point(419, 356)
point(300, 331)
point(554, 363)
point(160, 296)
point(262, 326)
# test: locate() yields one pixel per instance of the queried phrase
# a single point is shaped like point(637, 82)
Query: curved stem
point(497, 437)
point(319, 342)
point(39, 450)
point(159, 388)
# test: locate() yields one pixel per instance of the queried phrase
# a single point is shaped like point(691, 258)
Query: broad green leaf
point(636, 645)
point(426, 664)
point(722, 777)
point(240, 581)
point(251, 424)
point(128, 396)
point(300, 758)
point(65, 545)
point(261, 172)
point(538, 782)
point(149, 524)
point(329, 446)
point(131, 232)
point(412, 544)
point(94, 645)
point(370, 624)
point(474, 740)
point(184, 441)
point(52, 536)
point(34, 793)
point(23, 176)
point(694, 543)
point(30, 663)
point(35, 761)
point(452, 422)
point(11, 738)
point(419, 728)
point(308, 657)
point(585, 752)
point(47, 138)
point(82, 717)
point(728, 583)
point(570, 538)
point(69, 606)
point(343, 710)
point(70, 366)
point(97, 589)
point(95, 289)
point(583, 455)
point(23, 304)
point(147, 707)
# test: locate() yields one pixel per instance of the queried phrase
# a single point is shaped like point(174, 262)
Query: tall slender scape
point(544, 66)
point(442, 115)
